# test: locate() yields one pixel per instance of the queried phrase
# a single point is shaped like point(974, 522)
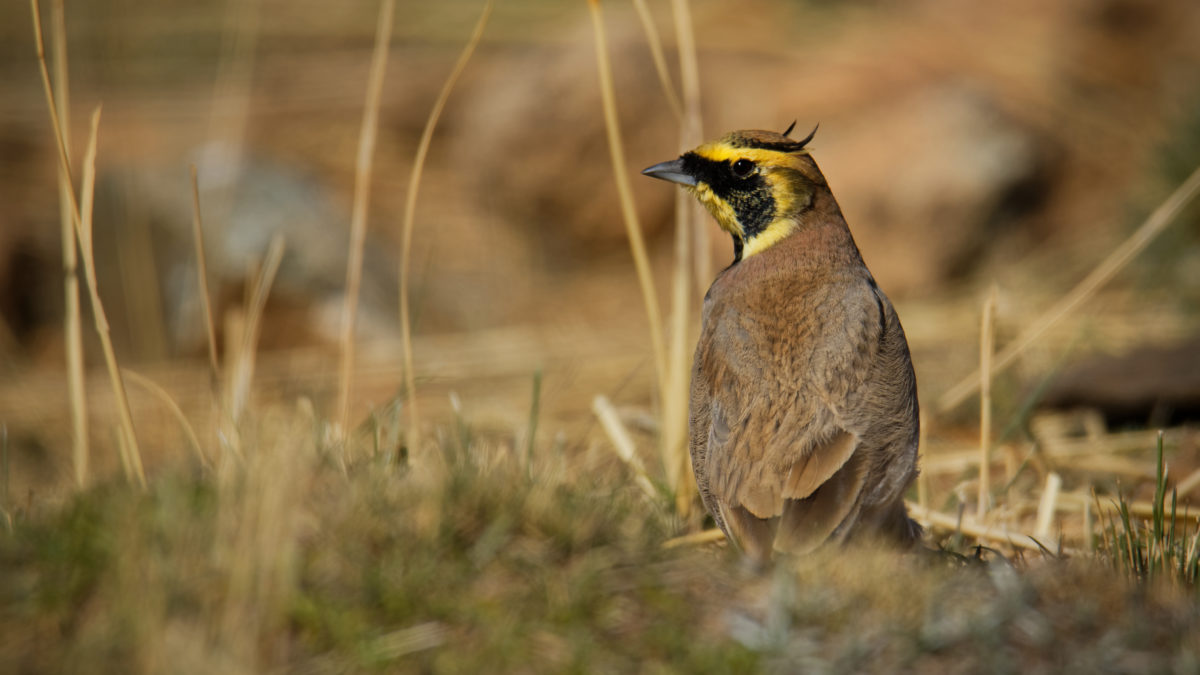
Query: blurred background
point(1014, 143)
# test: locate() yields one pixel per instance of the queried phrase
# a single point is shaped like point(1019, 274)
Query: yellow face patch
point(766, 164)
point(719, 208)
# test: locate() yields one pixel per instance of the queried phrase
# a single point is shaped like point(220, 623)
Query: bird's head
point(757, 184)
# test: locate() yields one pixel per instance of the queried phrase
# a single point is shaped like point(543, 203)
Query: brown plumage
point(803, 418)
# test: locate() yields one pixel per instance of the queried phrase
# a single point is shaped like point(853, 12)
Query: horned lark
point(803, 417)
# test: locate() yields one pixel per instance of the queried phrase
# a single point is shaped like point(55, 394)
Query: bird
point(803, 415)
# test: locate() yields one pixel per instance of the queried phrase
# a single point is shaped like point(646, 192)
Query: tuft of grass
point(1158, 548)
point(285, 562)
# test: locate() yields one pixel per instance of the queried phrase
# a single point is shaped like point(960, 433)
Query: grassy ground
point(474, 560)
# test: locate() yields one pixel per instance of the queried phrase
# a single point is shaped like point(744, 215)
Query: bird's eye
point(743, 168)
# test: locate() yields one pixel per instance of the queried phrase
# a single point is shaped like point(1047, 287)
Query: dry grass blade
point(660, 60)
point(412, 433)
point(691, 132)
point(358, 219)
point(987, 337)
point(633, 228)
point(176, 412)
point(1190, 483)
point(971, 528)
point(130, 444)
point(55, 123)
point(83, 232)
point(611, 422)
point(1143, 510)
point(72, 320)
point(1103, 272)
point(695, 539)
point(1047, 505)
point(202, 277)
point(691, 265)
point(247, 351)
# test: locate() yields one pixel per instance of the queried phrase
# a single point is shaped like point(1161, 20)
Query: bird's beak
point(672, 171)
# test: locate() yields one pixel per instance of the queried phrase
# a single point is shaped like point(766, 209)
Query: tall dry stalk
point(82, 221)
point(987, 342)
point(358, 220)
point(659, 58)
point(633, 228)
point(72, 320)
point(672, 359)
point(202, 278)
point(691, 134)
point(1115, 262)
point(129, 443)
point(244, 362)
point(162, 395)
point(412, 435)
point(691, 263)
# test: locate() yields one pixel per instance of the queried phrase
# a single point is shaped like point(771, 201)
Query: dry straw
point(176, 412)
point(660, 60)
point(691, 255)
point(412, 435)
point(610, 421)
point(202, 277)
point(358, 220)
point(633, 227)
point(72, 321)
point(82, 221)
point(671, 360)
point(243, 366)
point(987, 341)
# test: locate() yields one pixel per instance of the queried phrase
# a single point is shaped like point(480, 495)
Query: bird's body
point(803, 415)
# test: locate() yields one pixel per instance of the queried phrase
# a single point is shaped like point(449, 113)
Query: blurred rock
point(530, 132)
point(147, 261)
point(1152, 386)
point(931, 176)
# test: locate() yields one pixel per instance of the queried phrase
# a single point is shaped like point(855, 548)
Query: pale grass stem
point(675, 397)
point(176, 412)
point(412, 434)
point(970, 527)
point(1189, 483)
point(234, 323)
point(72, 321)
point(690, 136)
point(695, 539)
point(987, 341)
point(660, 60)
point(358, 220)
point(130, 445)
point(202, 277)
point(633, 228)
point(83, 233)
point(243, 373)
point(1089, 541)
point(674, 413)
point(610, 421)
point(1047, 505)
point(1115, 262)
point(691, 266)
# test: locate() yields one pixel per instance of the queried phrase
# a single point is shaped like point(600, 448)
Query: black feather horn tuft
point(810, 135)
point(789, 129)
